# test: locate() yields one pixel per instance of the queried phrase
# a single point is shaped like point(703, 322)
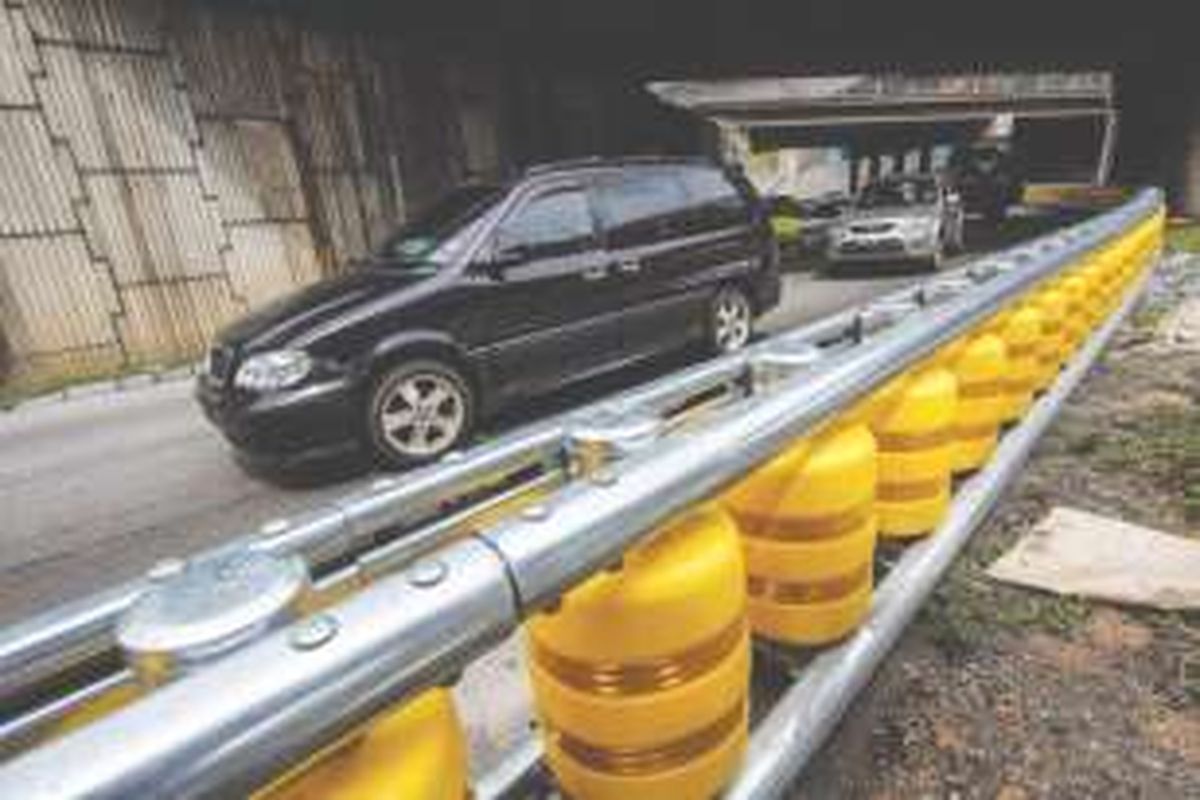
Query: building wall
point(165, 166)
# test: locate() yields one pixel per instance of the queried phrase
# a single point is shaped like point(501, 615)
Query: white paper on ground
point(1072, 552)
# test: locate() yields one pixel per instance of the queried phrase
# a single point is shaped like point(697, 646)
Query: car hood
point(890, 214)
point(299, 314)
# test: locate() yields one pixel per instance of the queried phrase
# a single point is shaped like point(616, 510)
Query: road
point(96, 489)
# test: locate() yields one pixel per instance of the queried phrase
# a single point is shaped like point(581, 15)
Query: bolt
point(427, 572)
point(604, 477)
point(165, 569)
point(313, 632)
point(536, 512)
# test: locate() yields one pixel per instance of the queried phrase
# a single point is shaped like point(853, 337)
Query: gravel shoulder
point(1003, 692)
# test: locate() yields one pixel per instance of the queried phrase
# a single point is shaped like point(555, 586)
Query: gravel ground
point(1003, 692)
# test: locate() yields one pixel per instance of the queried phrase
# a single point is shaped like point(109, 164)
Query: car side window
point(552, 224)
point(641, 207)
point(715, 200)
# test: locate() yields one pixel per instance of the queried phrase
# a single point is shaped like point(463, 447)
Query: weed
point(1184, 237)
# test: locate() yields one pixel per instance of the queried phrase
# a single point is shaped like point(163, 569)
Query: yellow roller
point(981, 367)
point(1053, 347)
point(1112, 279)
point(640, 679)
point(1021, 328)
point(416, 753)
point(1094, 273)
point(1075, 290)
point(914, 431)
point(808, 527)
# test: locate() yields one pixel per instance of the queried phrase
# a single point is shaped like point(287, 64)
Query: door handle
point(594, 273)
point(629, 266)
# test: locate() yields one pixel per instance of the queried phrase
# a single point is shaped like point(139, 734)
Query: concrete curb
point(125, 383)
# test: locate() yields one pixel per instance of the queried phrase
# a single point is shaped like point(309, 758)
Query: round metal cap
point(880, 315)
point(212, 605)
point(944, 290)
point(610, 434)
point(780, 360)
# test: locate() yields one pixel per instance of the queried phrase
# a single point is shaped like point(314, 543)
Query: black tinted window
point(641, 206)
point(437, 235)
point(716, 201)
point(556, 223)
point(710, 186)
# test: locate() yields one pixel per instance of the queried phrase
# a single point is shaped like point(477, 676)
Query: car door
point(548, 306)
point(643, 212)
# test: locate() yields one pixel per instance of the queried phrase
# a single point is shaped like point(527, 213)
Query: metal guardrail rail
point(498, 533)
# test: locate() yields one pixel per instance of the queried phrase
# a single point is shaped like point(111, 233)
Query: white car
point(899, 217)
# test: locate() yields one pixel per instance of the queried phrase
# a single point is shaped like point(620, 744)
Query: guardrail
point(215, 676)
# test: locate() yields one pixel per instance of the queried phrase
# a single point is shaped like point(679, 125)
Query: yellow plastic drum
point(1111, 279)
point(1075, 290)
point(641, 677)
point(1024, 338)
point(1053, 346)
point(808, 527)
point(416, 752)
point(914, 431)
point(981, 367)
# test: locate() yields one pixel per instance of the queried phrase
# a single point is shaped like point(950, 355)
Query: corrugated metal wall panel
point(343, 209)
point(250, 167)
point(56, 299)
point(230, 63)
point(35, 186)
point(17, 58)
point(331, 123)
point(118, 111)
point(188, 160)
point(270, 259)
point(151, 227)
point(169, 321)
point(100, 23)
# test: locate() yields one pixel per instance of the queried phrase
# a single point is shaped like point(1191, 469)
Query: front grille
point(872, 227)
point(220, 363)
point(873, 246)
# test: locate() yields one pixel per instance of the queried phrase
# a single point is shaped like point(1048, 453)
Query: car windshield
point(885, 194)
point(435, 237)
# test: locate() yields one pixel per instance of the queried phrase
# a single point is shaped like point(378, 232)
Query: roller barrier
point(641, 543)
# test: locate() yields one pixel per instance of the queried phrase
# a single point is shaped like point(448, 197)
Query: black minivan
point(497, 293)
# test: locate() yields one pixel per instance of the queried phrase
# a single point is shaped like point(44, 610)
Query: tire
point(935, 262)
point(730, 320)
point(418, 411)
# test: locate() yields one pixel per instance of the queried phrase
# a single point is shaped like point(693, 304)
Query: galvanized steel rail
point(234, 723)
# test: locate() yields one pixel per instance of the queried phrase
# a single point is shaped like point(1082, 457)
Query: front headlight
point(278, 369)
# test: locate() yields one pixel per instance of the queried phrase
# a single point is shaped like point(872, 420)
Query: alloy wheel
point(732, 321)
point(422, 414)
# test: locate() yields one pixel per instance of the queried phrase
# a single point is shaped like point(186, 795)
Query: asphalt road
point(94, 490)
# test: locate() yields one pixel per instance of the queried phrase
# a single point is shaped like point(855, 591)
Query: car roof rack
point(585, 162)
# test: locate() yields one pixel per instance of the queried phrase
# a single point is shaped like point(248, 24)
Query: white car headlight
point(277, 369)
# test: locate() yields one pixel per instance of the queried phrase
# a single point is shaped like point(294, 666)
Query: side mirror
point(504, 256)
point(509, 254)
